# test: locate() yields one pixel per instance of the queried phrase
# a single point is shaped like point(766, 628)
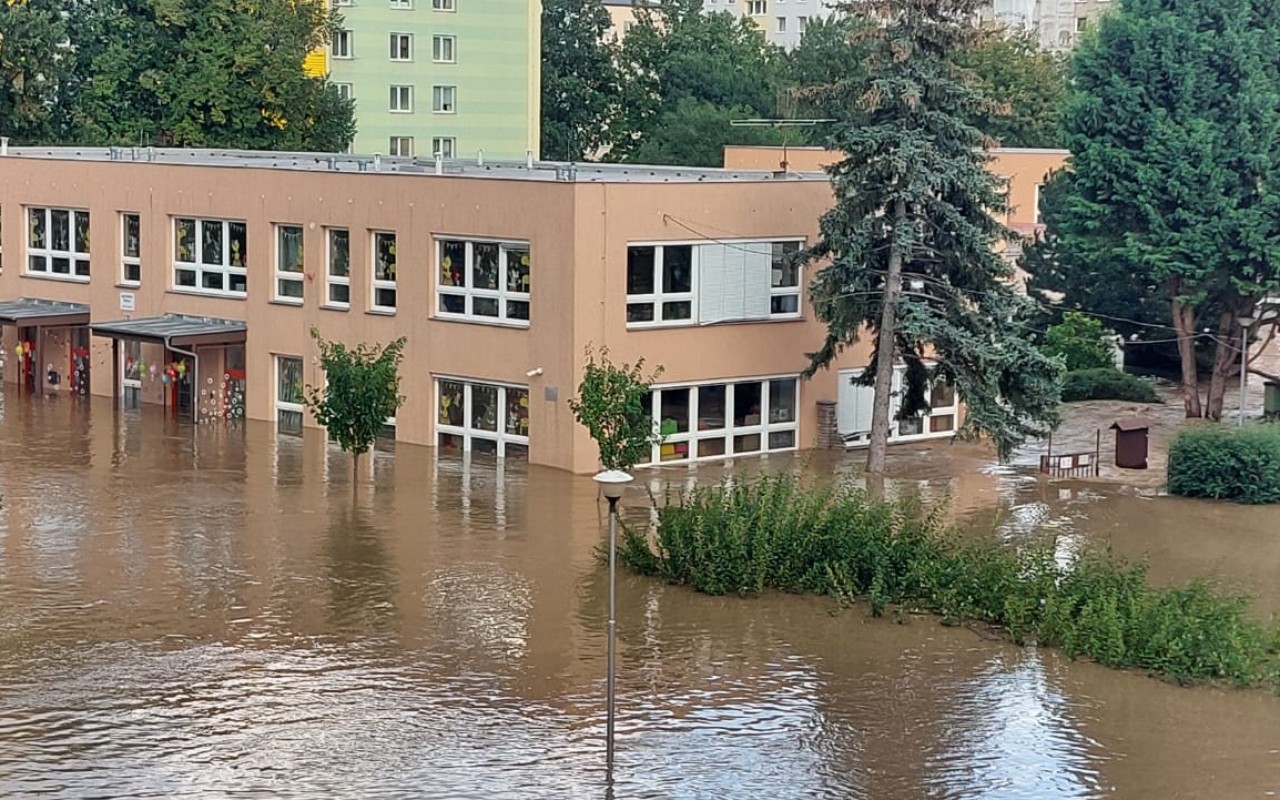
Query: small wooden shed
point(1131, 441)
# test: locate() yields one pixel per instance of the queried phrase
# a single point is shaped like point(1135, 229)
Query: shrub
point(1107, 384)
point(1080, 341)
point(782, 533)
point(1240, 464)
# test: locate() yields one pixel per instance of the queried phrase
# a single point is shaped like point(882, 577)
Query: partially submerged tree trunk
point(1226, 363)
point(886, 352)
point(1184, 323)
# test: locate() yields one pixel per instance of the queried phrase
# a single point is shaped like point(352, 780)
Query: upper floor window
point(289, 263)
point(757, 8)
point(442, 49)
point(487, 281)
point(344, 91)
point(402, 99)
point(340, 46)
point(58, 243)
point(687, 284)
point(130, 249)
point(443, 99)
point(442, 5)
point(338, 268)
point(402, 47)
point(210, 255)
point(782, 24)
point(384, 271)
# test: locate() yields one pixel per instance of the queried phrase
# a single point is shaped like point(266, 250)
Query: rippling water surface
point(210, 613)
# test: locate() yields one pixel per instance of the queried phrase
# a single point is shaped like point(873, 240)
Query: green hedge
point(786, 534)
point(1240, 464)
point(1107, 384)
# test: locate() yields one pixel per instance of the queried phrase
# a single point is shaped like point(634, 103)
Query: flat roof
point(30, 311)
point(175, 329)
point(478, 167)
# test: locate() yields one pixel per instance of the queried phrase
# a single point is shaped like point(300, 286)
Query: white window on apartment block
point(757, 8)
point(337, 274)
point(443, 99)
point(402, 99)
point(444, 146)
point(400, 146)
point(209, 256)
point(854, 401)
point(484, 418)
point(401, 4)
point(289, 264)
point(345, 91)
point(782, 24)
point(483, 280)
point(802, 23)
point(130, 249)
point(700, 284)
point(340, 46)
point(718, 420)
point(288, 394)
point(384, 271)
point(58, 243)
point(402, 47)
point(442, 49)
point(442, 5)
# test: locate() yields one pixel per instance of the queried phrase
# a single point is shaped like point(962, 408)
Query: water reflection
point(200, 612)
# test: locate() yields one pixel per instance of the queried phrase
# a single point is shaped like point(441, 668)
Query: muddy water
point(214, 614)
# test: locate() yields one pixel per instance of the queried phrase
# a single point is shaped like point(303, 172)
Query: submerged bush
point(780, 532)
point(1108, 383)
point(1241, 464)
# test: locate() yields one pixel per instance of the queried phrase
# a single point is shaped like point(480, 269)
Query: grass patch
point(1224, 463)
point(1107, 384)
point(781, 532)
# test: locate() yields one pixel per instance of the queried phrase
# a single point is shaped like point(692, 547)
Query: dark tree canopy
point(1029, 85)
point(581, 94)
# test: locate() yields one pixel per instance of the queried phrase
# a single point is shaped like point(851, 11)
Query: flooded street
point(206, 613)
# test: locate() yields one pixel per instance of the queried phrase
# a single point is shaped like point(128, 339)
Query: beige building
point(191, 279)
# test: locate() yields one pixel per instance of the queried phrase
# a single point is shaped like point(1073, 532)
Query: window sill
point(128, 285)
point(335, 307)
point(520, 325)
point(40, 276)
point(382, 312)
point(208, 293)
point(281, 301)
point(651, 326)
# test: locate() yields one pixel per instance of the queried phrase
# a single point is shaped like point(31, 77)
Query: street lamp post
point(612, 484)
point(1245, 322)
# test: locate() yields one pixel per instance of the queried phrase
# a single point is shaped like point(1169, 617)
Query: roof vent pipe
point(377, 162)
point(528, 159)
point(479, 158)
point(151, 154)
point(4, 145)
point(439, 163)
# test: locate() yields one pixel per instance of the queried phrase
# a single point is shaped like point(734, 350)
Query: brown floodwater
point(206, 613)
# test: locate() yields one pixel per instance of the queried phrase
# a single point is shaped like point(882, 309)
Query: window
point(209, 256)
point(757, 8)
point(782, 24)
point(130, 249)
point(442, 99)
point(402, 47)
point(131, 372)
point(345, 91)
point(687, 284)
point(288, 394)
point(802, 23)
point(482, 418)
point(289, 263)
point(384, 271)
point(402, 99)
point(487, 281)
point(442, 49)
point(338, 270)
point(716, 420)
point(402, 3)
point(444, 146)
point(340, 46)
point(442, 5)
point(400, 146)
point(58, 243)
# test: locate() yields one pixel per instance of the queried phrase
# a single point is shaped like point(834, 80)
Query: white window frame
point(729, 433)
point(443, 5)
point(802, 23)
point(757, 8)
point(782, 24)
point(658, 297)
point(285, 276)
point(467, 430)
point(439, 93)
point(126, 260)
point(225, 269)
point(342, 44)
point(377, 283)
point(395, 50)
point(332, 279)
point(400, 146)
point(444, 146)
point(501, 295)
point(346, 91)
point(401, 4)
point(439, 44)
point(283, 405)
point(401, 99)
point(74, 257)
point(862, 437)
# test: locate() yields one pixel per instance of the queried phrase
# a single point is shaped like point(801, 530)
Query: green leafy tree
point(1029, 83)
point(1174, 129)
point(1080, 341)
point(831, 51)
point(581, 93)
point(696, 132)
point(613, 405)
point(362, 390)
point(33, 64)
point(915, 203)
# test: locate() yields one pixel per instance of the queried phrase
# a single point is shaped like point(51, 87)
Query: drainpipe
point(195, 376)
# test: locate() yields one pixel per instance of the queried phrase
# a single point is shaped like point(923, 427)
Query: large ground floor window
point(482, 418)
point(854, 410)
point(717, 420)
point(131, 372)
point(289, 395)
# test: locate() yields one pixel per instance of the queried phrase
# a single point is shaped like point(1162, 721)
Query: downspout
point(195, 375)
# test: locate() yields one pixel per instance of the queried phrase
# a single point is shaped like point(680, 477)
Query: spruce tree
point(912, 239)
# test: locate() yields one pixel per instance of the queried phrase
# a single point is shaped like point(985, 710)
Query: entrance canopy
point(26, 311)
point(175, 330)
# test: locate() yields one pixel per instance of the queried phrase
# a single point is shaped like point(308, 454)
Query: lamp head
point(613, 482)
point(1245, 320)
